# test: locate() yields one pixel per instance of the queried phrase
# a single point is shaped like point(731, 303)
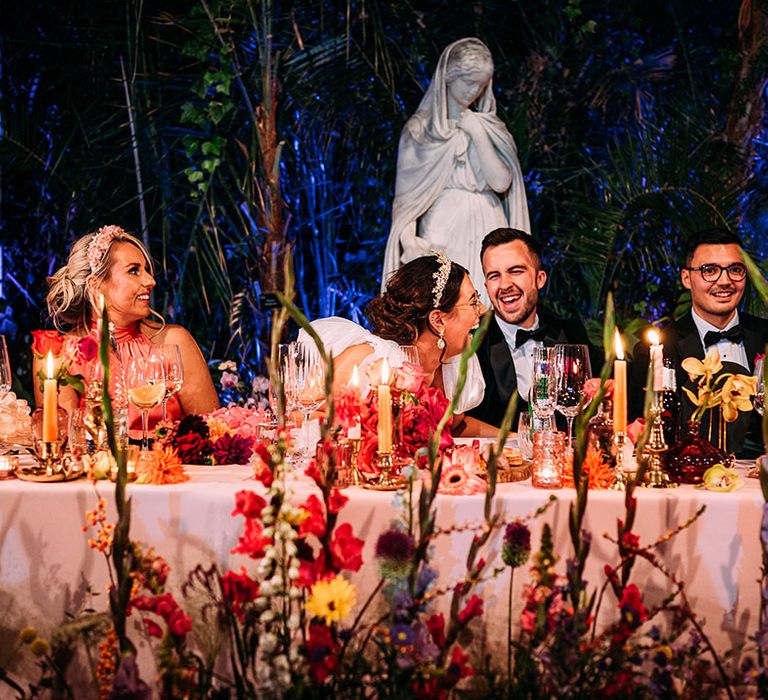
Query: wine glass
point(543, 386)
point(309, 382)
point(409, 353)
point(758, 400)
point(145, 380)
point(5, 367)
point(174, 371)
point(572, 369)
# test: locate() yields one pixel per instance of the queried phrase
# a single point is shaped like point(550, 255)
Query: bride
point(429, 303)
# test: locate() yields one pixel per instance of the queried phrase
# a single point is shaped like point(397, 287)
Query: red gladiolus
point(179, 623)
point(311, 571)
point(322, 653)
point(630, 540)
point(248, 504)
point(314, 473)
point(336, 501)
point(458, 668)
point(473, 608)
point(346, 549)
point(436, 627)
point(238, 589)
point(251, 541)
point(314, 523)
point(632, 608)
point(153, 629)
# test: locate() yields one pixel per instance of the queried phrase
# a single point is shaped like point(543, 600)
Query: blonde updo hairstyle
point(469, 56)
point(72, 288)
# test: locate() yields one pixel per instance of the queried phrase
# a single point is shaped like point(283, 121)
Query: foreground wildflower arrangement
point(292, 622)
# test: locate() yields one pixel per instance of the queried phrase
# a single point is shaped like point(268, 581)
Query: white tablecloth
point(46, 566)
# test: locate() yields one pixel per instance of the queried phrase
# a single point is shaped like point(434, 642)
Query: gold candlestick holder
point(53, 463)
point(620, 476)
point(655, 477)
point(388, 479)
point(357, 477)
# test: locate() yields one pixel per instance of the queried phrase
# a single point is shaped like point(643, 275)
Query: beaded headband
point(441, 277)
point(100, 243)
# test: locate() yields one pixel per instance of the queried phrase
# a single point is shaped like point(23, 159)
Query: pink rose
point(409, 377)
point(87, 349)
point(591, 387)
point(635, 429)
point(44, 342)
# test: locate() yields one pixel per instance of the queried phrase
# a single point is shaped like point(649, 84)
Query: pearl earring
point(441, 340)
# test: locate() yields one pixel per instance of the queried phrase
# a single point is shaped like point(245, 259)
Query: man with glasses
point(514, 276)
point(716, 276)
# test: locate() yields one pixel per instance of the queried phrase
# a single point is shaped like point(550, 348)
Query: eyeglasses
point(473, 303)
point(712, 272)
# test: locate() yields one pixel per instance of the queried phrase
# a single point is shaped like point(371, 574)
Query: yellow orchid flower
point(736, 395)
point(706, 369)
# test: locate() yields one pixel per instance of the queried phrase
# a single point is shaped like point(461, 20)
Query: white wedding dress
point(338, 334)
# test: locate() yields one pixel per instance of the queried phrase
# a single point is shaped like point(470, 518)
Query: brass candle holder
point(620, 477)
point(655, 476)
point(355, 445)
point(53, 463)
point(388, 479)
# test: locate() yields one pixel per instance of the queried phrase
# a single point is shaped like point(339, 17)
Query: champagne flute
point(174, 371)
point(543, 387)
point(310, 382)
point(758, 401)
point(6, 380)
point(145, 379)
point(572, 369)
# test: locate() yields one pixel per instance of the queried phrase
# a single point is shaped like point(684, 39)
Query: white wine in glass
point(145, 379)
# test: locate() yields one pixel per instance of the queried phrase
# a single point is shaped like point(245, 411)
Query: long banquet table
point(47, 569)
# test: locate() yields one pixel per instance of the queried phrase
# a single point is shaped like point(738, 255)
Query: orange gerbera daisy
point(599, 472)
point(162, 467)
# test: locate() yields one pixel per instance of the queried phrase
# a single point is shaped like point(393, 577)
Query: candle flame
point(354, 381)
point(653, 336)
point(385, 371)
point(101, 303)
point(49, 365)
point(618, 345)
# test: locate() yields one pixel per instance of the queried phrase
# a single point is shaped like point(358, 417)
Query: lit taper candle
point(619, 386)
point(385, 411)
point(50, 403)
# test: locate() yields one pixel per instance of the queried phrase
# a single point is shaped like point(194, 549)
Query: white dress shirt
point(729, 351)
point(522, 356)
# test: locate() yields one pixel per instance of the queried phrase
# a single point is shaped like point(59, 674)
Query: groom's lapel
point(501, 362)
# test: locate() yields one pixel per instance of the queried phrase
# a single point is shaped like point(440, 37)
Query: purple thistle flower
point(232, 449)
point(516, 545)
point(394, 550)
point(127, 684)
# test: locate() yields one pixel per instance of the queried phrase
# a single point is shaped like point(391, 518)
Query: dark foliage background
point(223, 129)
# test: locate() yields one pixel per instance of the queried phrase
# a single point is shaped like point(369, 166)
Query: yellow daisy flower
point(331, 600)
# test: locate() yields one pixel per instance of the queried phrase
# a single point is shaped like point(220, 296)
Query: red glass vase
point(687, 461)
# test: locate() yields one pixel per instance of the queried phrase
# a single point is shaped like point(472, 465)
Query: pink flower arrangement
point(243, 421)
point(100, 244)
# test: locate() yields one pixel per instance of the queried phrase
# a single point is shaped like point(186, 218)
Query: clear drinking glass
point(5, 367)
point(758, 401)
point(543, 386)
point(572, 369)
point(174, 371)
point(525, 434)
point(409, 354)
point(310, 382)
point(145, 380)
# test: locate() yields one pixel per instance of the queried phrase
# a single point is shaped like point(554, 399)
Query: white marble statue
point(458, 176)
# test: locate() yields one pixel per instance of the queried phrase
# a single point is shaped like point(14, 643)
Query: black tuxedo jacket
point(681, 339)
point(499, 369)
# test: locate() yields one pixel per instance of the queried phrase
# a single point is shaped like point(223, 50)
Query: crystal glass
point(309, 382)
point(758, 401)
point(145, 381)
point(5, 367)
point(572, 369)
point(174, 371)
point(543, 386)
point(525, 434)
point(409, 354)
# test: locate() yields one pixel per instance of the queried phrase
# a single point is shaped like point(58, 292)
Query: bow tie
point(734, 335)
point(523, 335)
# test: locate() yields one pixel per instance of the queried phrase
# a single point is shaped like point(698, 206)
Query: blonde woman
point(115, 264)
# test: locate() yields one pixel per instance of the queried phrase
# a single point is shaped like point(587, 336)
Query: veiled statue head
point(469, 58)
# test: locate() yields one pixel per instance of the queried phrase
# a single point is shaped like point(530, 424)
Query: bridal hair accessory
point(100, 243)
point(441, 277)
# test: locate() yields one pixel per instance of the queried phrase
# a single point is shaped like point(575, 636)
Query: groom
point(511, 261)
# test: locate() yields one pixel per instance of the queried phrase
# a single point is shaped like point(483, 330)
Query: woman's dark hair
point(401, 313)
